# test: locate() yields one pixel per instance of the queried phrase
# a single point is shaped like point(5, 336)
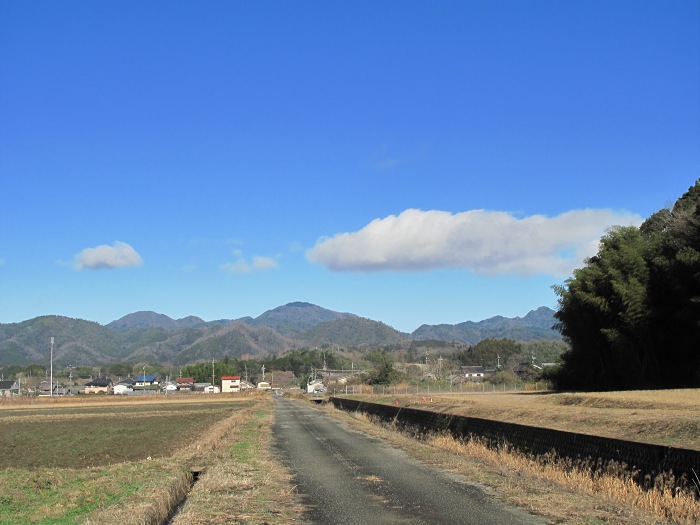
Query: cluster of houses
point(144, 384)
point(186, 385)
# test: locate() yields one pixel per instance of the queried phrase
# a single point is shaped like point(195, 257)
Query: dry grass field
point(662, 417)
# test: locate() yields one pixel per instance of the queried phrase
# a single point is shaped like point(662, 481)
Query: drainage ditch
point(193, 477)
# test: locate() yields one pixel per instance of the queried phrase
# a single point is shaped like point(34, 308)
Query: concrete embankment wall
point(647, 460)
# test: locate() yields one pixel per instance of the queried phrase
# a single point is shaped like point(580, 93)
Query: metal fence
point(426, 390)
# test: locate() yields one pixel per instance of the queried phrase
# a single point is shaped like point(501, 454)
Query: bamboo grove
point(631, 315)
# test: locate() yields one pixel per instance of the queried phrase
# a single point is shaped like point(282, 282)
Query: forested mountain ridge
point(294, 318)
point(152, 337)
point(354, 331)
point(154, 320)
point(537, 324)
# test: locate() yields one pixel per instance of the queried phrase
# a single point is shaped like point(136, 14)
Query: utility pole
point(51, 383)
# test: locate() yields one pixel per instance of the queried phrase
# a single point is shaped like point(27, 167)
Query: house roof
point(230, 378)
point(187, 380)
point(473, 369)
point(149, 379)
point(6, 385)
point(100, 381)
point(128, 381)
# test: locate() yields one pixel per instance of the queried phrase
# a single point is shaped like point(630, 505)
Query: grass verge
point(243, 483)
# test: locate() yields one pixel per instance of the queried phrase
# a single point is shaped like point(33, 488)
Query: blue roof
point(149, 379)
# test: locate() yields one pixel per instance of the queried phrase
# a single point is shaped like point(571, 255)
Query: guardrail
point(643, 461)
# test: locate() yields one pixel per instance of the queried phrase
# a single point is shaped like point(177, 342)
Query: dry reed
point(611, 481)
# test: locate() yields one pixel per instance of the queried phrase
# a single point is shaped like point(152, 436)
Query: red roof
point(230, 378)
point(184, 380)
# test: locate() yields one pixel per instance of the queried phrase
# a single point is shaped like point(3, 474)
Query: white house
point(231, 383)
point(146, 381)
point(122, 389)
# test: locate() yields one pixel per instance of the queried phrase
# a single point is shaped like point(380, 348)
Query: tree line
point(631, 315)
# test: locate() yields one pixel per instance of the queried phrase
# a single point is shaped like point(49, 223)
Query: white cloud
point(242, 266)
point(107, 257)
point(264, 263)
point(486, 242)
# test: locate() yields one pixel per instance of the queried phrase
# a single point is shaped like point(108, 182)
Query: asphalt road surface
point(347, 477)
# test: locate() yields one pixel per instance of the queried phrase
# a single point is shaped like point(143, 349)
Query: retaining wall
point(648, 461)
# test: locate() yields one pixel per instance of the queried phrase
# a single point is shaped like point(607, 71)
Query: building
point(184, 383)
point(101, 385)
point(146, 381)
point(231, 383)
point(474, 373)
point(8, 388)
point(122, 389)
point(315, 385)
point(46, 390)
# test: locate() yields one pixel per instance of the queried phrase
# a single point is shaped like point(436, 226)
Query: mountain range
point(154, 337)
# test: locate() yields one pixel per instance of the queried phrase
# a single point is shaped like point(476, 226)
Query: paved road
point(347, 477)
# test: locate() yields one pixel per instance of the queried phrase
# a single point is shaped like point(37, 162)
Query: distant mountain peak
point(149, 319)
point(536, 324)
point(300, 304)
point(296, 317)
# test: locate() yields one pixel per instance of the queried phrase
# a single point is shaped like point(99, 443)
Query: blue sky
point(408, 161)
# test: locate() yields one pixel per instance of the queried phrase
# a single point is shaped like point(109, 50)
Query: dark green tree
point(631, 315)
point(383, 372)
point(488, 352)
